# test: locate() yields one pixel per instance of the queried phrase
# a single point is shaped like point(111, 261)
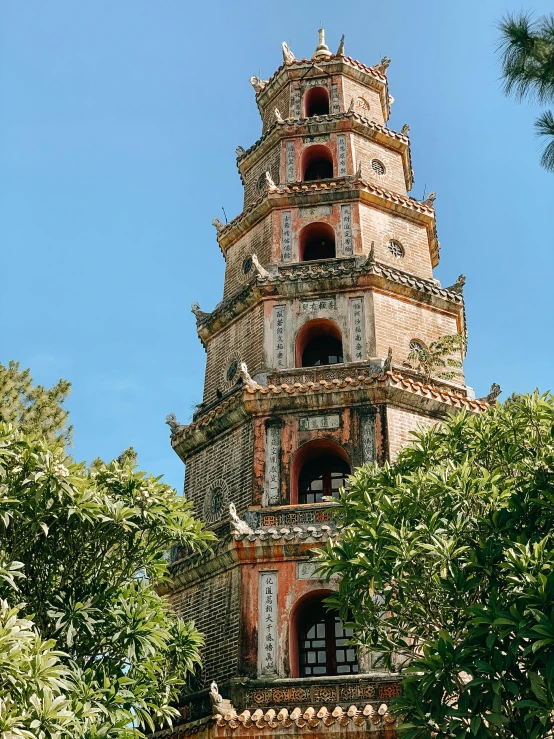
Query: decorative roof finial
point(340, 50)
point(288, 56)
point(322, 50)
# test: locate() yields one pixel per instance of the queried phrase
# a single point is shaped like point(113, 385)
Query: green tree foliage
point(527, 48)
point(33, 408)
point(34, 685)
point(441, 359)
point(83, 550)
point(447, 564)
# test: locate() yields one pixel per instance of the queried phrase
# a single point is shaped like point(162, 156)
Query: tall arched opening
point(319, 343)
point(319, 640)
point(317, 241)
point(316, 102)
point(317, 164)
point(319, 469)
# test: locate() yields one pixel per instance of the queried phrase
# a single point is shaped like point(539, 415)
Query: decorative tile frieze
point(325, 694)
point(267, 624)
point(262, 519)
point(289, 161)
point(269, 696)
point(357, 329)
point(272, 464)
point(346, 228)
point(286, 236)
point(314, 423)
point(341, 147)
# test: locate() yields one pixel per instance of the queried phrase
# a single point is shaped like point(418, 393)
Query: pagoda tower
point(328, 288)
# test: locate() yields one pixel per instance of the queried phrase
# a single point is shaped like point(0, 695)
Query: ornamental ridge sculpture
point(239, 526)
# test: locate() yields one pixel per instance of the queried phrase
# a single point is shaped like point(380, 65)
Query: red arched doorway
point(319, 469)
point(317, 241)
point(317, 164)
point(316, 102)
point(319, 343)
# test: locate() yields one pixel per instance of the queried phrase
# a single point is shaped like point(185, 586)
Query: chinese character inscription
point(267, 618)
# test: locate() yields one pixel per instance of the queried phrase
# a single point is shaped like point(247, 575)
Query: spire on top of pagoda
point(322, 50)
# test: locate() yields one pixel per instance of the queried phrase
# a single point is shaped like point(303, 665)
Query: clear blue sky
point(118, 127)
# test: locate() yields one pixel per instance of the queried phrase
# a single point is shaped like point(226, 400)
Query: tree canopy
point(82, 549)
point(527, 48)
point(447, 564)
point(33, 408)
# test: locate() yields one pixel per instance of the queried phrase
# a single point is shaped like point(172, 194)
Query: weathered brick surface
point(240, 341)
point(255, 183)
point(281, 101)
point(366, 151)
point(380, 227)
point(227, 460)
point(401, 423)
point(399, 321)
point(355, 90)
point(257, 241)
point(214, 606)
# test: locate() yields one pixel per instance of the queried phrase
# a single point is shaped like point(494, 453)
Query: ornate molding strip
point(306, 272)
point(237, 408)
point(275, 198)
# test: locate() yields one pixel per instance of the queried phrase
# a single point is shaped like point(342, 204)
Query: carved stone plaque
point(357, 329)
point(314, 211)
point(341, 146)
point(267, 624)
point(307, 571)
point(290, 170)
point(368, 438)
point(316, 82)
point(297, 103)
point(318, 139)
point(279, 337)
point(323, 303)
point(312, 423)
point(346, 224)
point(272, 455)
point(335, 104)
point(286, 236)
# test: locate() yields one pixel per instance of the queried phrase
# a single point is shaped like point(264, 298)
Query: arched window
point(322, 641)
point(320, 468)
point(319, 343)
point(317, 164)
point(316, 102)
point(322, 477)
point(321, 351)
point(317, 241)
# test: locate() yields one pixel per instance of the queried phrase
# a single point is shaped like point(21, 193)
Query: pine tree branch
point(544, 126)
